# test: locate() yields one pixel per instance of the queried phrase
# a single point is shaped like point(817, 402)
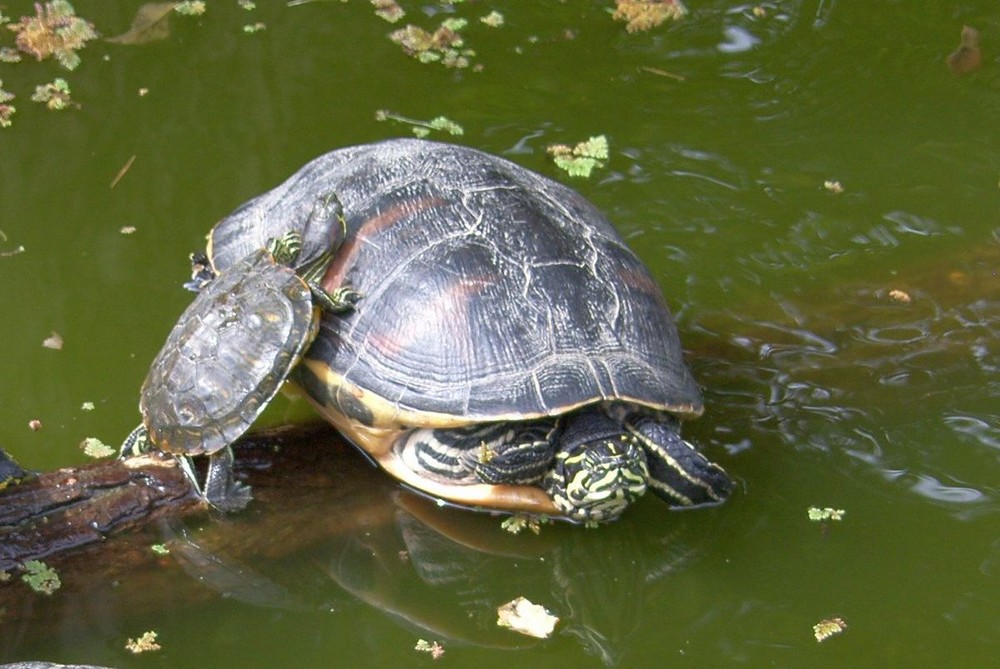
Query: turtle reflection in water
point(511, 352)
point(228, 356)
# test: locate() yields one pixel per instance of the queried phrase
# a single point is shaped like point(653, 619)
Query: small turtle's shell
point(227, 356)
point(488, 292)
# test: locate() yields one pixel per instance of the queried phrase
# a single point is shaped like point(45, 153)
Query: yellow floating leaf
point(520, 615)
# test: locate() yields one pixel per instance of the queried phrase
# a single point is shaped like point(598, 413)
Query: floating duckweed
point(40, 577)
point(190, 8)
point(160, 549)
point(494, 19)
point(6, 110)
point(55, 31)
point(252, 28)
point(247, 5)
point(828, 627)
point(95, 448)
point(9, 55)
point(435, 649)
point(818, 514)
point(388, 10)
point(55, 95)
point(444, 45)
point(521, 521)
point(87, 406)
point(421, 128)
point(641, 15)
point(580, 160)
point(145, 643)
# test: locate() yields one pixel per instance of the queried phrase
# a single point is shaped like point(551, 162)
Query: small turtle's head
point(596, 479)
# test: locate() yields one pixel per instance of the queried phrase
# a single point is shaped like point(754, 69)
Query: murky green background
point(821, 388)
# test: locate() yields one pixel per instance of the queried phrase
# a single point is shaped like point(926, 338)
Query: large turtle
point(229, 355)
point(510, 351)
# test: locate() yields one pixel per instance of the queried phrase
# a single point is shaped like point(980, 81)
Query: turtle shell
point(488, 292)
point(227, 356)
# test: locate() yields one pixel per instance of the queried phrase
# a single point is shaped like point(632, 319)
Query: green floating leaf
point(40, 577)
point(595, 147)
point(582, 159)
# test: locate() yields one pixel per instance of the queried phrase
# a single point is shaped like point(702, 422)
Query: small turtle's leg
point(221, 490)
point(201, 272)
point(187, 466)
point(498, 453)
point(678, 473)
point(136, 443)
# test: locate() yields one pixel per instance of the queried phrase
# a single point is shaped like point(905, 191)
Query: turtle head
point(598, 470)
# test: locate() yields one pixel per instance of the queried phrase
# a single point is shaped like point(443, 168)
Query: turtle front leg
point(136, 443)
point(222, 490)
point(500, 453)
point(342, 299)
point(678, 472)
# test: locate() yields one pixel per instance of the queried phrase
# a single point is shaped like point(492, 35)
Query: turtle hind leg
point(221, 490)
point(511, 453)
point(678, 473)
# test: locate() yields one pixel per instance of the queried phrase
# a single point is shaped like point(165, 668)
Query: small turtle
point(229, 355)
point(511, 351)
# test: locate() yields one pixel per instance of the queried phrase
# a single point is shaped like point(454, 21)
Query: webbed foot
point(222, 491)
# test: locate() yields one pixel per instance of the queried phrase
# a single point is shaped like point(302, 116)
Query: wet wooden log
point(75, 507)
point(134, 537)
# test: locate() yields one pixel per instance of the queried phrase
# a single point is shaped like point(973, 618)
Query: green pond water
point(822, 386)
